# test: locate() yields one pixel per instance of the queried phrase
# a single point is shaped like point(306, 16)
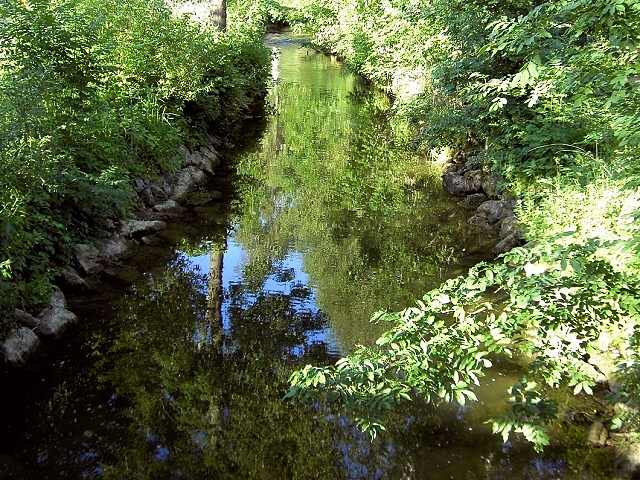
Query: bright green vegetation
point(92, 94)
point(545, 94)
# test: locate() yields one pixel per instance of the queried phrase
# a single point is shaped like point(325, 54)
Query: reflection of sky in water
point(289, 277)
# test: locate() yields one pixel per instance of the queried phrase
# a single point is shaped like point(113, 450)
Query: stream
point(178, 368)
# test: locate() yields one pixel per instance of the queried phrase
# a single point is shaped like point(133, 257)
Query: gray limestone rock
point(456, 183)
point(88, 256)
point(495, 210)
point(186, 181)
point(19, 346)
point(55, 318)
point(199, 160)
point(138, 228)
point(167, 206)
point(24, 318)
point(113, 249)
point(509, 226)
point(71, 278)
point(474, 200)
point(54, 321)
point(507, 243)
point(598, 434)
point(490, 186)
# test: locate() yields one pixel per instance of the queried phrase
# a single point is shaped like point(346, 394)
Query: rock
point(72, 279)
point(490, 186)
point(24, 318)
point(202, 198)
point(140, 184)
point(474, 200)
point(598, 434)
point(87, 256)
point(147, 197)
point(628, 463)
point(161, 189)
point(57, 299)
point(507, 243)
point(186, 180)
point(495, 210)
point(509, 226)
point(113, 249)
point(19, 346)
point(151, 240)
point(198, 160)
point(456, 183)
point(166, 206)
point(93, 257)
point(212, 155)
point(138, 228)
point(55, 319)
point(480, 225)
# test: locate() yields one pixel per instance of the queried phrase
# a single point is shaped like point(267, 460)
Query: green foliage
point(547, 94)
point(93, 93)
point(561, 308)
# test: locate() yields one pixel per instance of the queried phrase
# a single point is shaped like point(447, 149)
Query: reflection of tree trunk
point(219, 14)
point(279, 135)
point(214, 313)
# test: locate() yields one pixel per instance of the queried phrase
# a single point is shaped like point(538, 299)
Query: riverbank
point(479, 89)
point(105, 158)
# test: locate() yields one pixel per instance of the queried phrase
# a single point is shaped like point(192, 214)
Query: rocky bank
point(158, 201)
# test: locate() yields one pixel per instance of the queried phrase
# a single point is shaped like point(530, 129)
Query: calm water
point(178, 368)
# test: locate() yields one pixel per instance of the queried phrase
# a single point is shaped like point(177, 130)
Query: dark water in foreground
point(180, 374)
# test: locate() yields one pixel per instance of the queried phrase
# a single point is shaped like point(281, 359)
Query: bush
point(546, 93)
point(93, 93)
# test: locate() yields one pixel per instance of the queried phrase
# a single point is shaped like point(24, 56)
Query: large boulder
point(54, 321)
point(93, 258)
point(72, 279)
point(187, 180)
point(509, 226)
point(140, 228)
point(474, 200)
point(495, 210)
point(212, 155)
point(457, 183)
point(19, 346)
point(167, 206)
point(113, 249)
point(25, 319)
point(479, 225)
point(507, 243)
point(490, 186)
point(598, 434)
point(199, 160)
point(88, 257)
point(55, 318)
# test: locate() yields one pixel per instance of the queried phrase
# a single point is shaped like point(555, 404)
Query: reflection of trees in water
point(368, 213)
point(197, 414)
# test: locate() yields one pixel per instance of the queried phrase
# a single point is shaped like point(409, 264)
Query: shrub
point(93, 93)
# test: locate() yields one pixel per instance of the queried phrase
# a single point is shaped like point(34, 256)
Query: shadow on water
point(178, 370)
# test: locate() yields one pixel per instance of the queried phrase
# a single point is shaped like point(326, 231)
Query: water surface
point(179, 372)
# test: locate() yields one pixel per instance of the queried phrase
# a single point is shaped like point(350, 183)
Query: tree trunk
point(219, 14)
